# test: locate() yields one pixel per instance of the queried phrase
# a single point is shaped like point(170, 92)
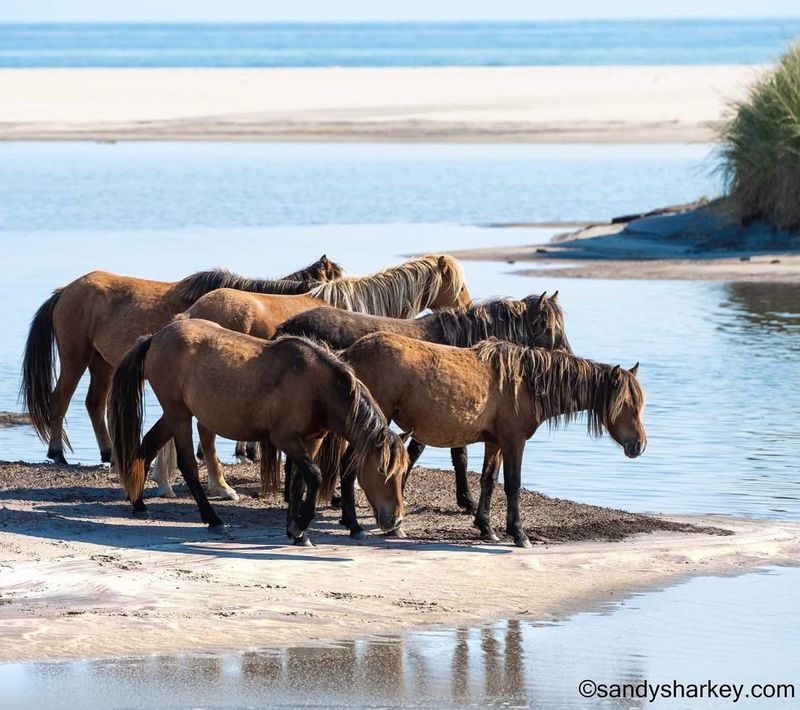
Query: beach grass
point(761, 147)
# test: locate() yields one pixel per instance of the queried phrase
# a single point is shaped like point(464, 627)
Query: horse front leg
point(303, 459)
point(348, 480)
point(464, 498)
point(512, 480)
point(491, 469)
point(415, 449)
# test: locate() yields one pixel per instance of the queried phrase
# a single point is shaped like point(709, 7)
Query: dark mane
point(193, 287)
point(562, 386)
point(504, 318)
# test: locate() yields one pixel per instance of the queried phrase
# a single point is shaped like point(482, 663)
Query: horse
point(95, 319)
point(285, 394)
point(494, 392)
point(533, 321)
point(403, 291)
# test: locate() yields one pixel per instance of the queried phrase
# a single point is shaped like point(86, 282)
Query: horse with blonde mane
point(285, 394)
point(403, 291)
point(534, 321)
point(94, 320)
point(494, 392)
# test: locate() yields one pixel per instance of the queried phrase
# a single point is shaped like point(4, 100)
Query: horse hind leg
point(67, 383)
point(217, 486)
point(100, 373)
point(153, 441)
point(166, 463)
point(240, 452)
point(491, 469)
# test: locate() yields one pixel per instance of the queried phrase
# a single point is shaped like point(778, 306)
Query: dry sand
point(79, 577)
point(481, 104)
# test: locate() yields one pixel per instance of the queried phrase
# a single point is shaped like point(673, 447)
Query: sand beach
point(603, 104)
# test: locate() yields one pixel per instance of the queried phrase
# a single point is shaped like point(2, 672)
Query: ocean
point(647, 42)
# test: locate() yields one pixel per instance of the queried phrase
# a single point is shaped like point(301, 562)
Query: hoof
point(143, 514)
point(165, 493)
point(57, 459)
point(489, 537)
point(293, 530)
point(359, 534)
point(223, 493)
point(522, 542)
point(219, 529)
point(336, 502)
point(241, 459)
point(105, 457)
point(397, 532)
point(303, 541)
point(468, 508)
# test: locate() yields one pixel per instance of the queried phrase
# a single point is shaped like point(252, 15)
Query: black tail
point(125, 417)
point(39, 368)
point(270, 468)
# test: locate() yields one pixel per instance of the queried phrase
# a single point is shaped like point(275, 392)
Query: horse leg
point(312, 477)
point(188, 468)
point(294, 488)
point(288, 472)
point(217, 486)
point(240, 452)
point(251, 451)
point(464, 498)
point(166, 463)
point(512, 478)
point(415, 449)
point(491, 468)
point(158, 435)
point(68, 380)
point(100, 373)
point(348, 480)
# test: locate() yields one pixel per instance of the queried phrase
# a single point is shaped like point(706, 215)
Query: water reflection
point(708, 628)
point(773, 308)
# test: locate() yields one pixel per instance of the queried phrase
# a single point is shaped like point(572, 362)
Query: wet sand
point(81, 578)
point(614, 104)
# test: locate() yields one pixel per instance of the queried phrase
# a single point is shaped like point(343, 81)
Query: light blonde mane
point(397, 292)
point(560, 385)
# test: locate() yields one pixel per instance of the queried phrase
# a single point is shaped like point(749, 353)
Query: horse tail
point(270, 468)
point(329, 459)
point(39, 368)
point(126, 414)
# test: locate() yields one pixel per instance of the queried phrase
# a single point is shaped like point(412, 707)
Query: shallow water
point(705, 41)
point(718, 361)
point(708, 629)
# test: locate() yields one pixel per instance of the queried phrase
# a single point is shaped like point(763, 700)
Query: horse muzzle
point(388, 522)
point(634, 449)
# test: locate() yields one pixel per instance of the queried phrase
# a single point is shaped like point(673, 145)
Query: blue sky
point(378, 10)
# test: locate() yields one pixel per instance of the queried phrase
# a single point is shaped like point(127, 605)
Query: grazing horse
point(494, 392)
point(94, 320)
point(402, 291)
point(285, 394)
point(534, 321)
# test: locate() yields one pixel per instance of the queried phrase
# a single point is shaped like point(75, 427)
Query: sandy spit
point(80, 578)
point(668, 104)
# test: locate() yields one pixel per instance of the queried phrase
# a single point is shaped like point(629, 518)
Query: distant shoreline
point(592, 104)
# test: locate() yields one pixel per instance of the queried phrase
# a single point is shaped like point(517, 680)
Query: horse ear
point(406, 435)
point(615, 374)
point(634, 369)
point(324, 260)
point(554, 297)
point(540, 301)
point(442, 263)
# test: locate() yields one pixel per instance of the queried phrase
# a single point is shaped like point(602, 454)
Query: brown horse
point(535, 321)
point(494, 392)
point(285, 394)
point(402, 291)
point(95, 319)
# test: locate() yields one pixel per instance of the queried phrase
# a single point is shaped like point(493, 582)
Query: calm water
point(709, 629)
point(396, 44)
point(719, 361)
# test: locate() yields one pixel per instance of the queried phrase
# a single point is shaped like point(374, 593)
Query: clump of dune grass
point(761, 147)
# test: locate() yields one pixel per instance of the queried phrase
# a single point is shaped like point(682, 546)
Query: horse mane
point(503, 318)
point(193, 287)
point(365, 424)
point(562, 386)
point(397, 292)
